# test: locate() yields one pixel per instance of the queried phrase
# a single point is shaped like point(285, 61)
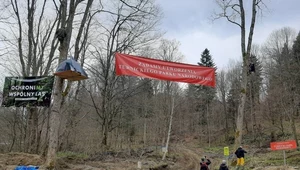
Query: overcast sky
point(189, 23)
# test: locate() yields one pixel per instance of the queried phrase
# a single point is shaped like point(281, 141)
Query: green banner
point(27, 91)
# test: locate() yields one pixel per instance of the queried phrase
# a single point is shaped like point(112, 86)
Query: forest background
point(108, 113)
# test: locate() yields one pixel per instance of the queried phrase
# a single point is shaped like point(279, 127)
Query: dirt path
point(190, 158)
point(186, 158)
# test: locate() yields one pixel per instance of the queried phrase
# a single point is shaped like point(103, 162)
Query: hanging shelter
point(70, 70)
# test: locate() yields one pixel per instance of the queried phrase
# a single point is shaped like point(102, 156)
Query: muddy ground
point(182, 158)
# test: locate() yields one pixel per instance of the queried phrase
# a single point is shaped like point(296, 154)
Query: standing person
point(204, 163)
point(223, 166)
point(240, 154)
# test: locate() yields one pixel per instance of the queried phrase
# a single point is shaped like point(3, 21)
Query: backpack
point(203, 166)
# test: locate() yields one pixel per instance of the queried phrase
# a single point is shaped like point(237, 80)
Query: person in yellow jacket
point(240, 154)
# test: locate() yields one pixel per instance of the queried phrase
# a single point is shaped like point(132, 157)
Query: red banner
point(164, 70)
point(283, 145)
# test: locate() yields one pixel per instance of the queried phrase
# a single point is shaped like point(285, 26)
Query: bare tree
point(29, 38)
point(232, 78)
point(130, 27)
point(63, 34)
point(281, 71)
point(234, 12)
point(276, 41)
point(223, 92)
point(168, 50)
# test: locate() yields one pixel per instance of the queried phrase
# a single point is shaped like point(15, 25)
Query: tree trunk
point(105, 133)
point(44, 146)
point(252, 113)
point(66, 23)
point(294, 130)
point(226, 117)
point(34, 131)
point(14, 131)
point(170, 129)
point(54, 123)
point(145, 130)
point(246, 56)
point(32, 127)
point(207, 123)
point(145, 120)
point(55, 111)
point(240, 119)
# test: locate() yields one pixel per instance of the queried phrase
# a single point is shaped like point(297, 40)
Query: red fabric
point(283, 145)
point(163, 70)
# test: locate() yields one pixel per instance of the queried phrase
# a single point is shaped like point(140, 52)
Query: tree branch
point(224, 7)
point(234, 5)
point(231, 21)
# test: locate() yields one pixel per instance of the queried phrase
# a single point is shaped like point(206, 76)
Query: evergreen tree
point(208, 93)
point(202, 96)
point(206, 59)
point(295, 63)
point(296, 48)
point(146, 87)
point(296, 86)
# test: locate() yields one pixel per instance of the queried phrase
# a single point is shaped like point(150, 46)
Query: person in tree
point(204, 163)
point(240, 154)
point(223, 166)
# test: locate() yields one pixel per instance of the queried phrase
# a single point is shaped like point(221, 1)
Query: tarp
point(70, 69)
point(164, 70)
point(26, 167)
point(27, 91)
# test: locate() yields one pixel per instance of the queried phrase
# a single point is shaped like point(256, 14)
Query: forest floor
point(181, 157)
